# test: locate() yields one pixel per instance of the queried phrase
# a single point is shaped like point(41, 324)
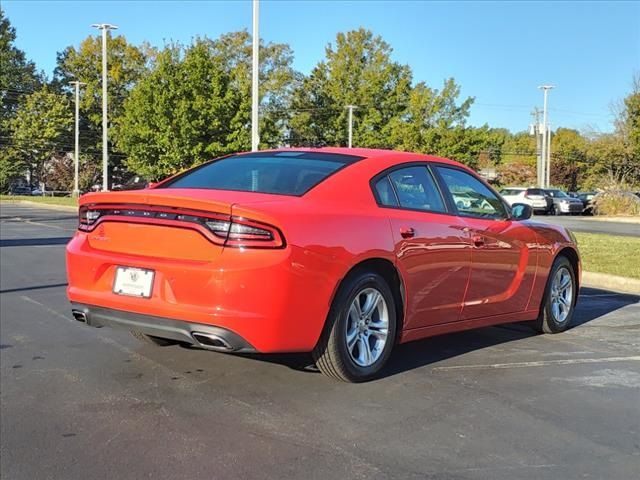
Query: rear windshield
point(283, 173)
point(557, 193)
point(536, 191)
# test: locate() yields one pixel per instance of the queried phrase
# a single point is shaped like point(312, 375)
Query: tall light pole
point(105, 27)
point(76, 163)
point(535, 131)
point(545, 134)
point(255, 69)
point(350, 108)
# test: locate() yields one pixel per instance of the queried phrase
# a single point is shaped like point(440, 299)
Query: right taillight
point(245, 233)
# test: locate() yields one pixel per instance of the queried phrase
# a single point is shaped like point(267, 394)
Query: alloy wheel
point(367, 327)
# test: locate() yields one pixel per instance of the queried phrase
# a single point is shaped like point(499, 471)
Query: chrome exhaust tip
point(209, 340)
point(79, 315)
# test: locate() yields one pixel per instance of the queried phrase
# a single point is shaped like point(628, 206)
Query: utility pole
point(255, 71)
point(350, 108)
point(534, 130)
point(105, 27)
point(76, 163)
point(545, 135)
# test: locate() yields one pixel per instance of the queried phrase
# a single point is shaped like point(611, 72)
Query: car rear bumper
point(206, 336)
point(274, 300)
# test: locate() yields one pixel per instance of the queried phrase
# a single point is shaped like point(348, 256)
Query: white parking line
point(542, 363)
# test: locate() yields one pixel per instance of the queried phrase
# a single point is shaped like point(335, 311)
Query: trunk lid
point(134, 234)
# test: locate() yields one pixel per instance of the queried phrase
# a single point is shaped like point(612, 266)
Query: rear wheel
point(157, 341)
point(360, 331)
point(559, 299)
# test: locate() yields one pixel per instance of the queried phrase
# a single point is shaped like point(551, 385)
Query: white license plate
point(136, 282)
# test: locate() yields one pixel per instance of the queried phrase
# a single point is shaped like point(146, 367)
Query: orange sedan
point(340, 252)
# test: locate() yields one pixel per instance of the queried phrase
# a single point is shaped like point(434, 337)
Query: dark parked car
point(134, 183)
point(587, 202)
point(563, 203)
point(20, 190)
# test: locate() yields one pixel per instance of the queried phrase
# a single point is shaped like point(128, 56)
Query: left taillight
point(87, 217)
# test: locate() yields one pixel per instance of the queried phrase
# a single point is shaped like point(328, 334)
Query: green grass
point(610, 254)
point(72, 202)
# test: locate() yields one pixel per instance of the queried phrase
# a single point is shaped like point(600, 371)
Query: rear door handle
point(407, 232)
point(478, 240)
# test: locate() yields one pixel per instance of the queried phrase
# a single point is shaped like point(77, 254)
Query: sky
point(499, 52)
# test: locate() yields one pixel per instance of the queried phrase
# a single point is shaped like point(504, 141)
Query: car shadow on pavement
point(593, 304)
point(34, 242)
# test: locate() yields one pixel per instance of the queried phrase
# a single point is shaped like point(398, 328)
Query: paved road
point(588, 225)
point(496, 403)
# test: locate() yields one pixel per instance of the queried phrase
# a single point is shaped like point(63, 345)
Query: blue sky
point(498, 51)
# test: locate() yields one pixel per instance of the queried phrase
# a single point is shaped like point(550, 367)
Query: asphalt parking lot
point(495, 403)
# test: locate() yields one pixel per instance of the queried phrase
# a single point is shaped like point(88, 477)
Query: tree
point(40, 129)
point(18, 76)
point(196, 104)
point(126, 64)
point(568, 158)
point(359, 71)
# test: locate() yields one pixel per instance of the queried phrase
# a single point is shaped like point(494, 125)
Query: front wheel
point(360, 331)
point(559, 299)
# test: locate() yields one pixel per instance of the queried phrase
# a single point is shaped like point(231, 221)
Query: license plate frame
point(133, 281)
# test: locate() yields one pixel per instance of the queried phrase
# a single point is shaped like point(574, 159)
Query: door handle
point(407, 232)
point(478, 240)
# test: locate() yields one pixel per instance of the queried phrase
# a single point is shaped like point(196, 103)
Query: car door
point(433, 251)
point(504, 254)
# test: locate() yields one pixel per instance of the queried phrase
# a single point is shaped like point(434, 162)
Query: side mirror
point(152, 184)
point(521, 211)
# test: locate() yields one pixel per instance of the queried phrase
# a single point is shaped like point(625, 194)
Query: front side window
point(416, 189)
point(470, 195)
point(283, 173)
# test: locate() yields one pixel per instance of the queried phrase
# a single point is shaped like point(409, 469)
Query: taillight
point(241, 232)
point(227, 231)
point(87, 217)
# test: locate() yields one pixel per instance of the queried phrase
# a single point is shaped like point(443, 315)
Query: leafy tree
point(568, 158)
point(38, 131)
point(126, 64)
point(18, 76)
point(517, 174)
point(196, 104)
point(359, 71)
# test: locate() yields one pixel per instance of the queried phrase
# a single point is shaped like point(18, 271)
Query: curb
point(66, 208)
point(611, 282)
point(627, 219)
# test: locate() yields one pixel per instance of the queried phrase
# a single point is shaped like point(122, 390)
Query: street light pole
point(545, 137)
point(76, 163)
point(105, 27)
point(350, 108)
point(255, 69)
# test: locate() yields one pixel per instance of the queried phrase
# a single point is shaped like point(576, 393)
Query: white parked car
point(536, 198)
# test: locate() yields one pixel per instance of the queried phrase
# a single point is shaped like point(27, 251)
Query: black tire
point(330, 354)
point(554, 211)
point(157, 341)
point(547, 322)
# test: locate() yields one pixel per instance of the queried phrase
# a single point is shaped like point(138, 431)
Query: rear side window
point(416, 189)
point(284, 173)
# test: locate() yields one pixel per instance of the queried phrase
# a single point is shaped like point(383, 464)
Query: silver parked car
point(563, 203)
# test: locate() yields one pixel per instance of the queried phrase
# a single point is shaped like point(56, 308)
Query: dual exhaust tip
point(205, 340)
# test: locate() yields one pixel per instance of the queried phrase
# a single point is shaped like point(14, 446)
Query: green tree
point(126, 64)
point(195, 104)
point(18, 76)
point(568, 158)
point(40, 129)
point(359, 71)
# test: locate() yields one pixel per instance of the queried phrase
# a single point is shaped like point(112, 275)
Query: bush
point(616, 202)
